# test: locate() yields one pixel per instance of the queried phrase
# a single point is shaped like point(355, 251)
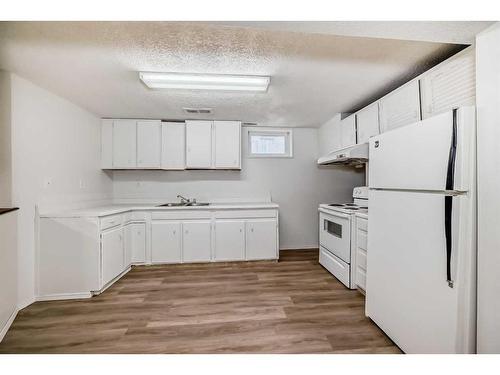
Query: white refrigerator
point(421, 265)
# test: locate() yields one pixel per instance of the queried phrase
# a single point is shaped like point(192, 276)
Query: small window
point(270, 143)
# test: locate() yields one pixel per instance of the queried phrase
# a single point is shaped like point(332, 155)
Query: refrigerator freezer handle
point(450, 173)
point(448, 231)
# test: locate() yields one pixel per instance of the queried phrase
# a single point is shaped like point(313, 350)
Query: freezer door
point(421, 156)
point(407, 293)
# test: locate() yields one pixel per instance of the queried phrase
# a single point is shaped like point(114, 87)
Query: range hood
point(356, 155)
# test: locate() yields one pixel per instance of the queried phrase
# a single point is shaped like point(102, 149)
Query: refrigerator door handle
point(448, 213)
point(448, 200)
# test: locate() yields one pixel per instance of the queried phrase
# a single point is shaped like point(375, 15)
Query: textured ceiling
point(459, 32)
point(314, 76)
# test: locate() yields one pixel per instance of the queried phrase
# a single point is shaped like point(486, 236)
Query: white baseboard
point(300, 248)
point(7, 325)
point(56, 297)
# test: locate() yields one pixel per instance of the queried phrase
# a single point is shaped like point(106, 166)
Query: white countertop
point(122, 208)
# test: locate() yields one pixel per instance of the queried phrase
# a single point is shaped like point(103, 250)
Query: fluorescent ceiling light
point(188, 81)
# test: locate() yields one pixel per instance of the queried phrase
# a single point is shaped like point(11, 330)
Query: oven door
point(335, 234)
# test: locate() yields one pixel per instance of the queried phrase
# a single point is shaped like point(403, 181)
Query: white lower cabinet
point(135, 243)
point(91, 252)
point(166, 242)
point(261, 239)
point(112, 254)
point(196, 241)
point(229, 240)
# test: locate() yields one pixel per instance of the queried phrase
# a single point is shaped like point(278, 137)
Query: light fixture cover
point(188, 81)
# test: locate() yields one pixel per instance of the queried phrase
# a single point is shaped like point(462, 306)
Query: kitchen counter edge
point(118, 209)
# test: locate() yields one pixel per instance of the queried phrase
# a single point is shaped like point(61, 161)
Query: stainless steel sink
point(183, 204)
point(174, 204)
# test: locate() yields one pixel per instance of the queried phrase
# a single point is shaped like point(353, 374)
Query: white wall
point(5, 149)
point(488, 135)
point(55, 147)
point(297, 184)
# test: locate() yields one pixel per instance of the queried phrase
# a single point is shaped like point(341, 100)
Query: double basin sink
point(183, 204)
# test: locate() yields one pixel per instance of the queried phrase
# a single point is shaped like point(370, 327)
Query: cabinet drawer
point(245, 214)
point(362, 240)
point(361, 278)
point(134, 216)
point(361, 258)
point(362, 224)
point(335, 266)
point(111, 221)
point(180, 215)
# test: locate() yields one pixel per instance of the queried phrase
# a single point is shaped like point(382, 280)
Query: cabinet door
point(401, 107)
point(196, 241)
point(124, 144)
point(148, 144)
point(450, 85)
point(367, 123)
point(107, 144)
point(348, 131)
point(199, 144)
point(229, 240)
point(166, 242)
point(329, 136)
point(135, 243)
point(261, 239)
point(173, 145)
point(227, 144)
point(112, 247)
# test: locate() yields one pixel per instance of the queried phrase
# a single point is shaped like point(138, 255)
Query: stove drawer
point(336, 266)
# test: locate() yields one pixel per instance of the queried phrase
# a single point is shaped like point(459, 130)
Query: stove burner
point(350, 204)
point(336, 205)
point(351, 208)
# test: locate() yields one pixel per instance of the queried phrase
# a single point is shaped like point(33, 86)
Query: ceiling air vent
point(198, 110)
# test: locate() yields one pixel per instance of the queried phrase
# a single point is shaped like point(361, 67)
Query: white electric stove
point(336, 235)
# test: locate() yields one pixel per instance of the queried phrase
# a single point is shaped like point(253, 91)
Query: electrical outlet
point(82, 184)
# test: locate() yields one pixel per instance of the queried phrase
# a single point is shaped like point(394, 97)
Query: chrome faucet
point(184, 199)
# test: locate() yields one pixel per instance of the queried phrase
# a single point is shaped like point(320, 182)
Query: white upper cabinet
point(400, 107)
point(198, 144)
point(348, 131)
point(329, 136)
point(124, 144)
point(107, 144)
point(152, 144)
point(173, 149)
point(367, 123)
point(449, 85)
point(148, 144)
point(227, 151)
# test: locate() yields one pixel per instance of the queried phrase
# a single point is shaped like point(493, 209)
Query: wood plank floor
point(290, 306)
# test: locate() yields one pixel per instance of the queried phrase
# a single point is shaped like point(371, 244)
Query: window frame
point(287, 132)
